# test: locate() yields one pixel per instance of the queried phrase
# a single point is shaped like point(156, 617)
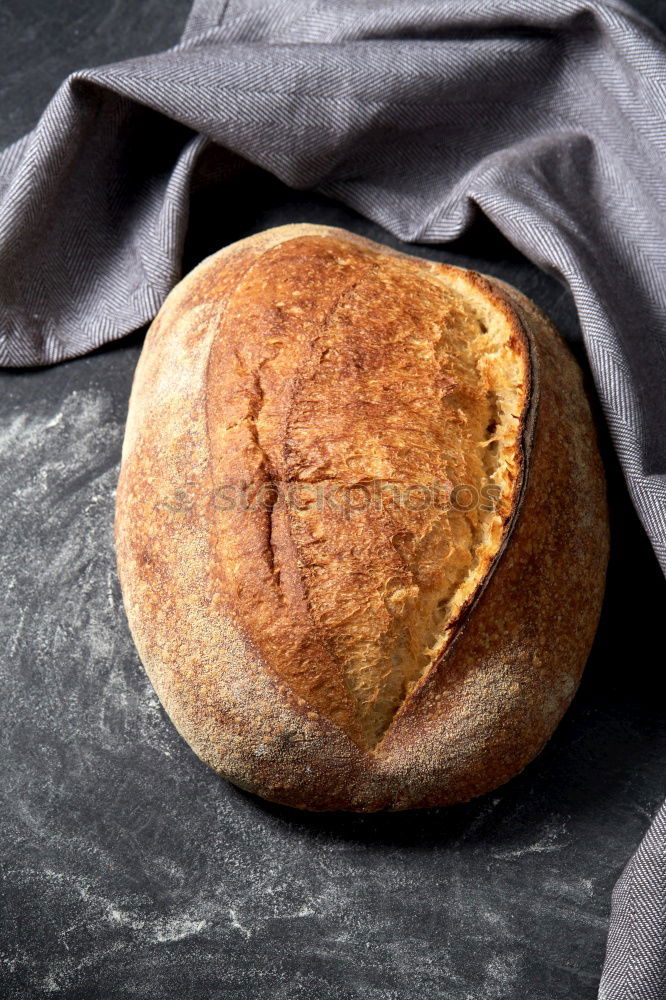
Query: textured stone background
point(129, 870)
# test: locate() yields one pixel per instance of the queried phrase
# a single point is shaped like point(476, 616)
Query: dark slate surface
point(129, 869)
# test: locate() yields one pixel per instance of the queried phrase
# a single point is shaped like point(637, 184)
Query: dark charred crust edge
point(526, 440)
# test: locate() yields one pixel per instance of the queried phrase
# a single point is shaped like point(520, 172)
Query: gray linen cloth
point(548, 117)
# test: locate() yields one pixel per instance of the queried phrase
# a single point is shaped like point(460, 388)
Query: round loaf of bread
point(361, 523)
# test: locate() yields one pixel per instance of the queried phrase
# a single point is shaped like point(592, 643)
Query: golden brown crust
point(383, 659)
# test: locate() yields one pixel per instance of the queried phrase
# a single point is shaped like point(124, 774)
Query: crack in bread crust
point(369, 375)
point(268, 589)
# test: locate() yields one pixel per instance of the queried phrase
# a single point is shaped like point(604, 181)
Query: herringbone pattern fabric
point(549, 117)
point(635, 966)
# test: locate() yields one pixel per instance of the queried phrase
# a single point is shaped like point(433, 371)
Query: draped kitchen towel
point(550, 118)
point(635, 966)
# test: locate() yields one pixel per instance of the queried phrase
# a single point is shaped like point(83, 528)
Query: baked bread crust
point(240, 631)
